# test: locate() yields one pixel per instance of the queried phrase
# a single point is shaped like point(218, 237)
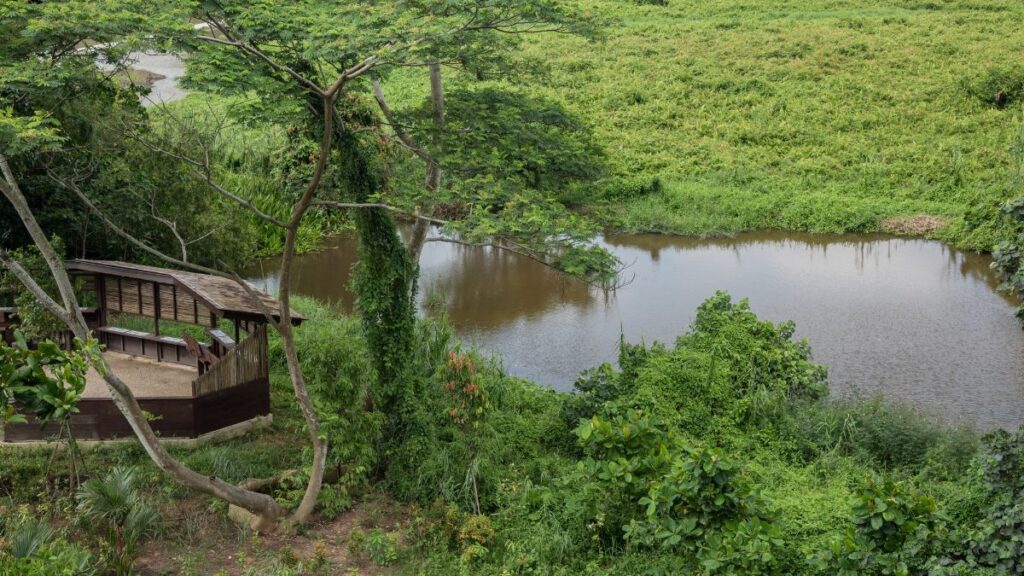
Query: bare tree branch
point(363, 205)
point(29, 282)
point(403, 136)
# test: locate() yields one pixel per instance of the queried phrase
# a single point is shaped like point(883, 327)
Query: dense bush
point(1008, 256)
point(644, 487)
point(897, 530)
point(999, 86)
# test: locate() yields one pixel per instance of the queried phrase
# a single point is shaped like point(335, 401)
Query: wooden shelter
point(231, 383)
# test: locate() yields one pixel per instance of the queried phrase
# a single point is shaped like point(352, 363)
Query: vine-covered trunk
point(385, 287)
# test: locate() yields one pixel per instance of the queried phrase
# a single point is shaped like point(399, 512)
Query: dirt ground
point(205, 542)
point(147, 378)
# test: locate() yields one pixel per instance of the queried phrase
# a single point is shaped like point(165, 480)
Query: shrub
point(646, 488)
point(888, 436)
point(997, 541)
point(632, 188)
point(763, 354)
point(336, 367)
point(897, 530)
point(382, 547)
point(998, 87)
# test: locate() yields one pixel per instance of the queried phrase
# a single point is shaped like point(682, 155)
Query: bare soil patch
point(916, 225)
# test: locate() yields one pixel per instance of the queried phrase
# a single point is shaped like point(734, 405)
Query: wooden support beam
point(156, 321)
point(101, 296)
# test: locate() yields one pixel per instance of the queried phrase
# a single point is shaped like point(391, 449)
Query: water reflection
point(912, 319)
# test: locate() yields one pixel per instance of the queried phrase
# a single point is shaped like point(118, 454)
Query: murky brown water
point(911, 319)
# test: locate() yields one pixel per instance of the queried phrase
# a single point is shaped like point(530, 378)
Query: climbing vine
point(385, 277)
point(1008, 256)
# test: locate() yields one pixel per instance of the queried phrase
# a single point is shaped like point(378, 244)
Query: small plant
point(357, 543)
point(334, 499)
point(382, 547)
point(115, 506)
point(31, 535)
point(998, 87)
point(468, 404)
point(34, 548)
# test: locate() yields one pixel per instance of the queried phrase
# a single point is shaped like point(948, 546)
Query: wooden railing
point(245, 363)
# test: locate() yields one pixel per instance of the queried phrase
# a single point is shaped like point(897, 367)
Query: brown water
point(911, 319)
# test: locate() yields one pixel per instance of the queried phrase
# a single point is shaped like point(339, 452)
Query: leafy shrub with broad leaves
point(996, 542)
point(897, 530)
point(45, 380)
point(645, 487)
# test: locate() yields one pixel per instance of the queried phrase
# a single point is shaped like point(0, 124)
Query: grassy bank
point(807, 114)
point(810, 115)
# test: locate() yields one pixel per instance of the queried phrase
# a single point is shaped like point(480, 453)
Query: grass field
point(821, 115)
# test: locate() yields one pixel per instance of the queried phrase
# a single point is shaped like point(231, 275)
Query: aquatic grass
point(709, 208)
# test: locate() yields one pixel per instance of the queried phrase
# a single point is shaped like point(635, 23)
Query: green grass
point(820, 115)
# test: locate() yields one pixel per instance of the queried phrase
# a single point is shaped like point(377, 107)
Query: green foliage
point(651, 490)
point(117, 509)
point(897, 531)
point(382, 547)
point(46, 381)
point(336, 365)
point(624, 189)
point(1008, 256)
point(998, 86)
point(31, 547)
point(996, 541)
point(31, 535)
point(501, 140)
point(34, 320)
point(890, 436)
point(764, 354)
point(731, 370)
point(385, 284)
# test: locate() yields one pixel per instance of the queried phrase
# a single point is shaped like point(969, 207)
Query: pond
point(911, 319)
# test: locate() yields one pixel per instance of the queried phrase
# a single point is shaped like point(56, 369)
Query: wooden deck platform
point(146, 378)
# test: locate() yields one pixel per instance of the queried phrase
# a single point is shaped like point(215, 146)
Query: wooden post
point(101, 296)
point(156, 321)
point(156, 309)
point(236, 331)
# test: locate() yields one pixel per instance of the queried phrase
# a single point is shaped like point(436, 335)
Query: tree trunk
point(432, 182)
